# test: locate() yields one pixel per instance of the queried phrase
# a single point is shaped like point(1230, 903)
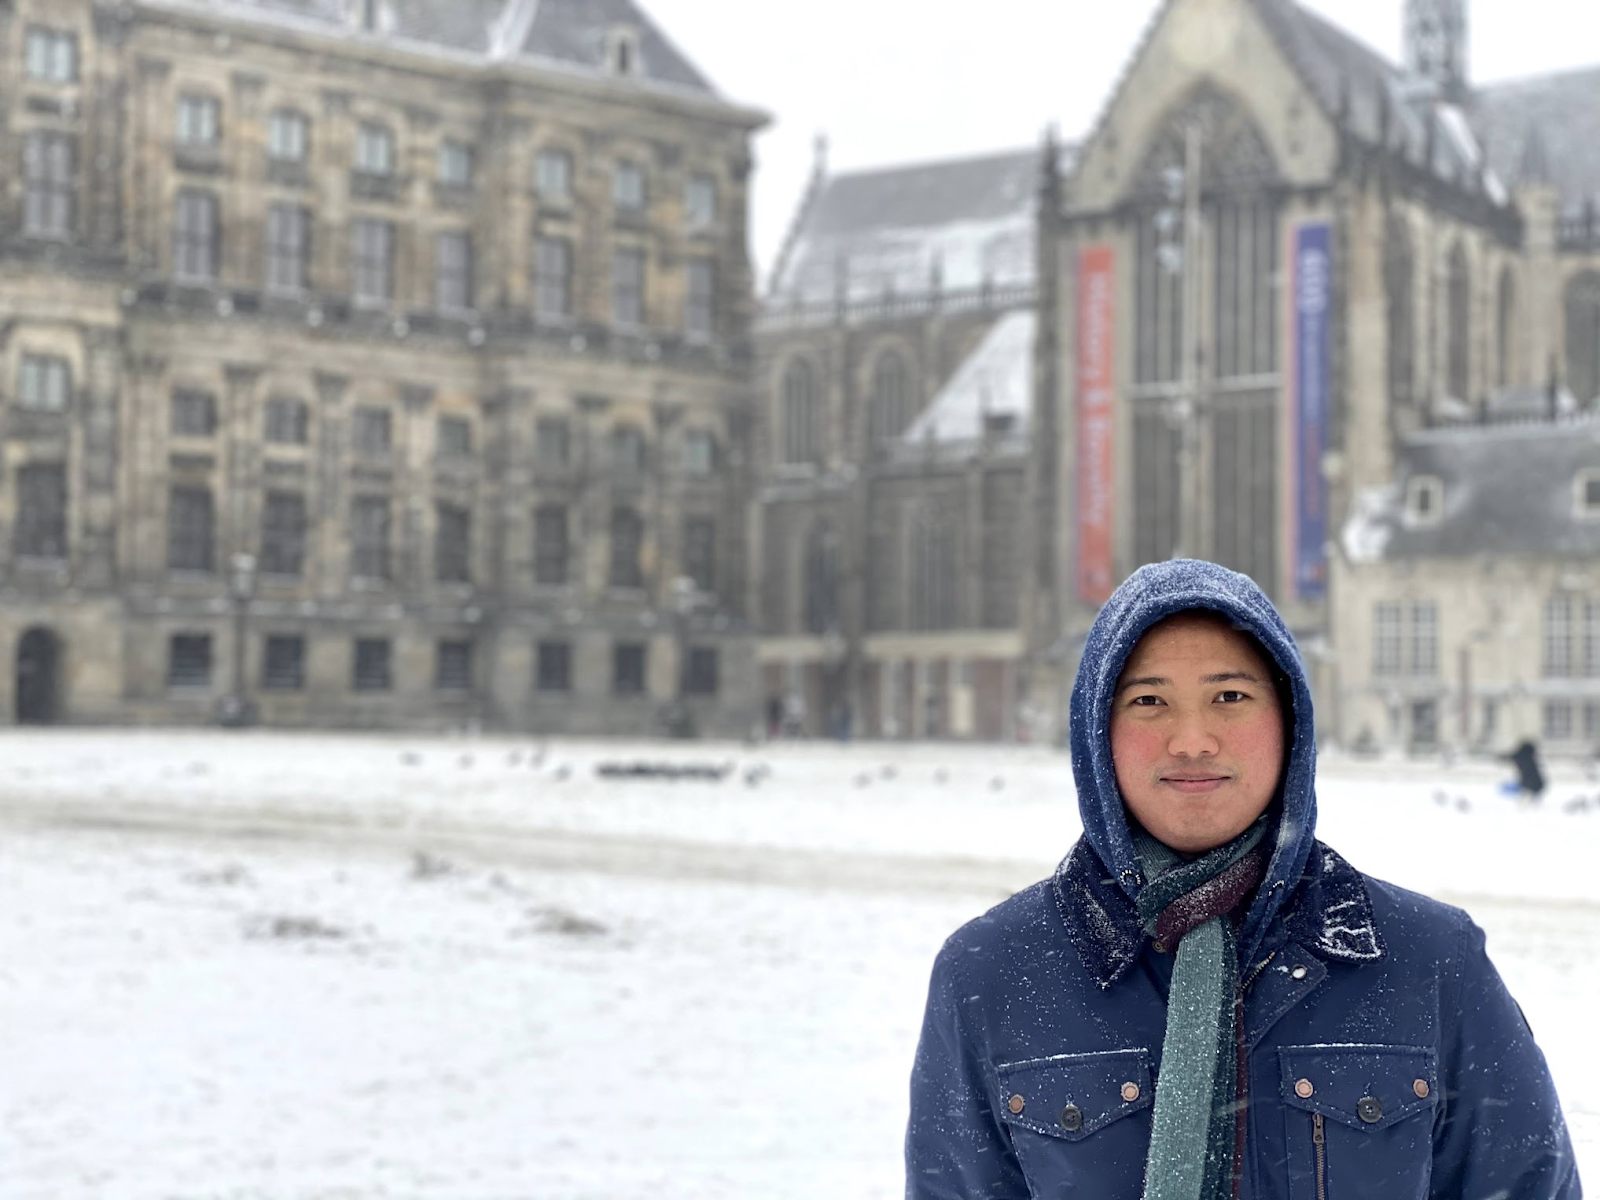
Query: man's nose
point(1192, 738)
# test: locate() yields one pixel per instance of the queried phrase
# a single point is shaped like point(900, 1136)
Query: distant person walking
point(1530, 779)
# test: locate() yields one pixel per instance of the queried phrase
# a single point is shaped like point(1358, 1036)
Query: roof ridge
point(1521, 81)
point(510, 29)
point(954, 160)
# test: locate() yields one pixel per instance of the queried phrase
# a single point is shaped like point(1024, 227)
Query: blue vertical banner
point(1313, 321)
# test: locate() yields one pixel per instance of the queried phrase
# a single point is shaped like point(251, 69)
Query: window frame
point(376, 152)
point(196, 236)
point(372, 664)
point(283, 541)
point(452, 543)
point(629, 272)
point(700, 201)
point(453, 665)
point(51, 373)
point(372, 539)
point(552, 557)
point(372, 247)
point(457, 164)
point(191, 530)
point(700, 299)
point(548, 656)
point(41, 533)
point(51, 42)
point(552, 278)
point(196, 673)
point(546, 174)
point(49, 184)
point(283, 672)
point(630, 187)
point(453, 271)
point(287, 248)
point(275, 422)
point(197, 122)
point(298, 148)
point(192, 413)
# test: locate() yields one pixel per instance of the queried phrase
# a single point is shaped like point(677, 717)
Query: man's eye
point(1145, 701)
point(1232, 697)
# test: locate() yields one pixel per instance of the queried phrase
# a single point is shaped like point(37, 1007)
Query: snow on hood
point(1149, 596)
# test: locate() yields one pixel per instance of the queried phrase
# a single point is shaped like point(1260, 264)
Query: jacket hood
point(1151, 595)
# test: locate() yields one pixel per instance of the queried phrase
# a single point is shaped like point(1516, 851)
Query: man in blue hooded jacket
point(1205, 1002)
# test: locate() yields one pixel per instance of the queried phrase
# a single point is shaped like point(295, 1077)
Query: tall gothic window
point(1505, 326)
point(1399, 282)
point(821, 576)
point(800, 441)
point(1246, 241)
point(1458, 344)
point(890, 403)
point(1583, 336)
point(933, 571)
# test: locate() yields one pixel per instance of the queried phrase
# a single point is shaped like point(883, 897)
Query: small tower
point(1436, 46)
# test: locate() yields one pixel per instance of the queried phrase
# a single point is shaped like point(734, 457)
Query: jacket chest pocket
point(1360, 1120)
point(1075, 1122)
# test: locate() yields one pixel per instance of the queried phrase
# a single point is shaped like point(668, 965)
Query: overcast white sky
point(894, 81)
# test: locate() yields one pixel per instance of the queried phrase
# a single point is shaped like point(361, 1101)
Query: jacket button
point(1159, 947)
point(1369, 1109)
point(1420, 1087)
point(1303, 1088)
point(1016, 1104)
point(1072, 1118)
point(1298, 973)
point(1130, 1092)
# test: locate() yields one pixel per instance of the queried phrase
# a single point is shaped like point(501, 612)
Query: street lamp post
point(241, 587)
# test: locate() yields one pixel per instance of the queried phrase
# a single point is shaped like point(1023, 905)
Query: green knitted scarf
point(1198, 1122)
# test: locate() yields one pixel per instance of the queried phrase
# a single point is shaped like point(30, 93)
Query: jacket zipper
point(1319, 1137)
point(1260, 967)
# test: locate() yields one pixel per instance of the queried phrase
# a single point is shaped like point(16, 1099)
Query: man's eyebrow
point(1232, 677)
point(1143, 681)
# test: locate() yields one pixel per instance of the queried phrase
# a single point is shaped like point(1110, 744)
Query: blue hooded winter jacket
point(1386, 1059)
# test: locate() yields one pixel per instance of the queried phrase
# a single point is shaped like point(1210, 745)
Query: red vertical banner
point(1096, 461)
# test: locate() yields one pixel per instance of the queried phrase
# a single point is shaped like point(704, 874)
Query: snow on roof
point(995, 380)
point(963, 222)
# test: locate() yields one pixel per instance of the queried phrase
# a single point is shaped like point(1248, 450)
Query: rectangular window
point(373, 667)
point(1424, 724)
point(374, 150)
point(455, 164)
point(552, 444)
point(699, 453)
point(49, 174)
point(627, 286)
point(1591, 722)
point(44, 383)
point(1386, 639)
point(452, 548)
point(555, 667)
point(52, 55)
point(287, 421)
point(42, 511)
point(627, 538)
point(552, 278)
point(369, 536)
point(199, 125)
point(627, 187)
point(453, 669)
point(1591, 638)
point(189, 660)
point(372, 260)
point(627, 669)
point(283, 665)
point(288, 247)
point(1558, 720)
point(553, 174)
point(196, 237)
point(190, 529)
point(1425, 639)
point(699, 310)
point(703, 673)
point(700, 552)
point(700, 201)
point(283, 534)
point(1558, 637)
point(371, 432)
point(194, 414)
point(453, 271)
point(288, 136)
point(550, 545)
point(627, 451)
point(455, 437)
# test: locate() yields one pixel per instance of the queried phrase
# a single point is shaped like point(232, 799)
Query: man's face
point(1196, 732)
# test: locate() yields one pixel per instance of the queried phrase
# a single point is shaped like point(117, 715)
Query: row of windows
point(801, 419)
point(45, 385)
point(190, 664)
point(1564, 719)
point(197, 253)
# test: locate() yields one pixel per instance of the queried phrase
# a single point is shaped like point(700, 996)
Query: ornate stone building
point(894, 405)
point(1285, 271)
point(371, 362)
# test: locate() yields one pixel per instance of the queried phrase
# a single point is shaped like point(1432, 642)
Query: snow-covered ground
point(294, 966)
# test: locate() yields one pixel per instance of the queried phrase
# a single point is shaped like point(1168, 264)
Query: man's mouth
point(1194, 783)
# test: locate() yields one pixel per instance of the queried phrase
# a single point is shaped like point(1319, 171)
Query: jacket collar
point(1329, 913)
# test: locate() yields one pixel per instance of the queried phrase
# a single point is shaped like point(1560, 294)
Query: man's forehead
point(1194, 631)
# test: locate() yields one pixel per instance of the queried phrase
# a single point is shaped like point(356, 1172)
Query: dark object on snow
point(997, 785)
point(669, 772)
point(1529, 777)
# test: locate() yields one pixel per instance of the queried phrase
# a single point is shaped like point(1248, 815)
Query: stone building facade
point(892, 420)
point(371, 363)
point(1280, 261)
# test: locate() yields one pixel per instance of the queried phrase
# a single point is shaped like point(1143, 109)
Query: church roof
point(894, 230)
point(1509, 489)
point(996, 380)
point(570, 35)
point(1561, 111)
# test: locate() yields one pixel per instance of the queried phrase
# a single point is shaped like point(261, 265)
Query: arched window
point(800, 442)
point(1505, 327)
point(1458, 345)
point(888, 409)
point(1583, 337)
point(821, 575)
point(933, 571)
point(1399, 275)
